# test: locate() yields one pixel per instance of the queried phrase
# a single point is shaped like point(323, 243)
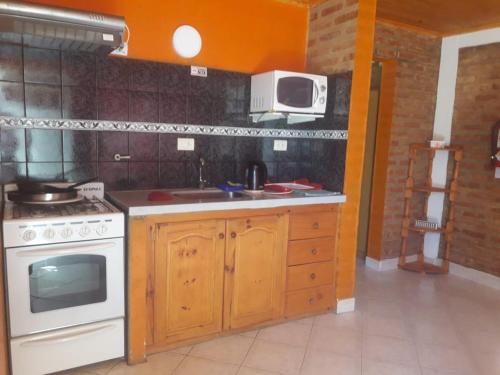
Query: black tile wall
point(11, 61)
point(11, 99)
point(47, 83)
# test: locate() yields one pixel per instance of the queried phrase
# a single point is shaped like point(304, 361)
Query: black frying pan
point(39, 192)
point(46, 187)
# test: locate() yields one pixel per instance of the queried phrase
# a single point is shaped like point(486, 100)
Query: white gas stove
point(65, 282)
point(89, 219)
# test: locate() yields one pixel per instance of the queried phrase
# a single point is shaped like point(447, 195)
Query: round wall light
point(187, 41)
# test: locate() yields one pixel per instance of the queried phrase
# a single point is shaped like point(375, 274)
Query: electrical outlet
point(199, 71)
point(121, 51)
point(185, 144)
point(280, 145)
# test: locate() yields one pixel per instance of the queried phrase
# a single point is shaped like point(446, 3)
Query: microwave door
point(295, 93)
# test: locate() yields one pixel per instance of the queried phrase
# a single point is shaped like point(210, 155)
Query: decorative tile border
point(145, 127)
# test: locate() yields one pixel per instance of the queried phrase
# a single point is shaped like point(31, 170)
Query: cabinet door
point(254, 270)
point(189, 270)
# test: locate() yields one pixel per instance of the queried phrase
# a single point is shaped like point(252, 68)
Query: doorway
point(368, 163)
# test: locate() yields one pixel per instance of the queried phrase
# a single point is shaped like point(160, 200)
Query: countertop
point(135, 202)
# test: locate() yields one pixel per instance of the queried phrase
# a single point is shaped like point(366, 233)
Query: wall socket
point(280, 145)
point(199, 71)
point(185, 144)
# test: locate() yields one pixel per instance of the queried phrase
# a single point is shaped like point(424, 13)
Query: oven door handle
point(59, 338)
point(55, 251)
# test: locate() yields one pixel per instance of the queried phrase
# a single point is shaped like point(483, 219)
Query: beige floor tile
point(390, 327)
point(488, 363)
point(384, 368)
point(271, 356)
point(389, 349)
point(444, 358)
point(470, 322)
point(100, 368)
point(254, 371)
point(76, 372)
point(432, 315)
point(342, 341)
point(252, 333)
point(429, 371)
point(103, 367)
point(162, 363)
point(202, 366)
point(384, 309)
point(444, 334)
point(229, 349)
point(306, 321)
point(290, 333)
point(318, 362)
point(485, 342)
point(182, 350)
point(353, 321)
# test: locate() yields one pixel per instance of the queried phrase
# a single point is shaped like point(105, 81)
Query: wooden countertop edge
point(229, 214)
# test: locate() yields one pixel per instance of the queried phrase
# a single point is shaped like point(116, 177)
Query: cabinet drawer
point(310, 251)
point(309, 300)
point(309, 275)
point(312, 225)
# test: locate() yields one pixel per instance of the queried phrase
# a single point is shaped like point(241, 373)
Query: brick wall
point(415, 98)
point(341, 39)
point(477, 107)
point(332, 33)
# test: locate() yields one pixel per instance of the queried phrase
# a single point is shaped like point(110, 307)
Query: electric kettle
point(255, 175)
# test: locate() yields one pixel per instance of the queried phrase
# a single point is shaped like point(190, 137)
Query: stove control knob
point(49, 233)
point(66, 232)
point(84, 231)
point(102, 230)
point(323, 88)
point(322, 100)
point(29, 235)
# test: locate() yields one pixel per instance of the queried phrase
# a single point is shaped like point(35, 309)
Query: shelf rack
point(450, 194)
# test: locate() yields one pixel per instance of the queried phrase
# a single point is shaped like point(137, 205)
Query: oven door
point(56, 286)
point(299, 92)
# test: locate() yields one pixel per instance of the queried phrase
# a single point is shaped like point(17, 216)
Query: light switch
point(280, 145)
point(185, 144)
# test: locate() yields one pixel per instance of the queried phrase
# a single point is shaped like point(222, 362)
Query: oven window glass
point(295, 92)
point(67, 281)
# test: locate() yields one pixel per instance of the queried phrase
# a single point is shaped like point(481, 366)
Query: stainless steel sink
point(207, 195)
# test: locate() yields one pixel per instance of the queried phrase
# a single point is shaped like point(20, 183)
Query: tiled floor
point(405, 324)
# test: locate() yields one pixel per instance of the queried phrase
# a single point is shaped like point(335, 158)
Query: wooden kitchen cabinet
point(195, 276)
point(188, 279)
point(311, 267)
point(254, 270)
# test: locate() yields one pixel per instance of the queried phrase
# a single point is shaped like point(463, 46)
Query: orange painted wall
point(244, 35)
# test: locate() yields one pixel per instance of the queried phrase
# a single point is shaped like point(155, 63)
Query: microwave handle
point(65, 337)
point(55, 251)
point(316, 93)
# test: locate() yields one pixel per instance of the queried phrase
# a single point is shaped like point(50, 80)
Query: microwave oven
point(282, 91)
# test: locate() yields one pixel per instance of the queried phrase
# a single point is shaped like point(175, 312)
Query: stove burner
point(84, 207)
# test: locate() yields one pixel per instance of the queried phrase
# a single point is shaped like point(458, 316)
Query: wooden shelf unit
point(446, 230)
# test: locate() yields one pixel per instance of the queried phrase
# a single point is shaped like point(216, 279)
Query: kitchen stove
point(65, 282)
point(91, 218)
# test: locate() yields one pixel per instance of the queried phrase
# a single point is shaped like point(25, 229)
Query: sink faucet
point(201, 182)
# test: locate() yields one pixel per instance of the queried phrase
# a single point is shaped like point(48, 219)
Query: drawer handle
point(311, 301)
point(221, 236)
point(312, 276)
point(316, 226)
point(233, 234)
point(314, 251)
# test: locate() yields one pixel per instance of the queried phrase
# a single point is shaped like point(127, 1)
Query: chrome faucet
point(201, 182)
